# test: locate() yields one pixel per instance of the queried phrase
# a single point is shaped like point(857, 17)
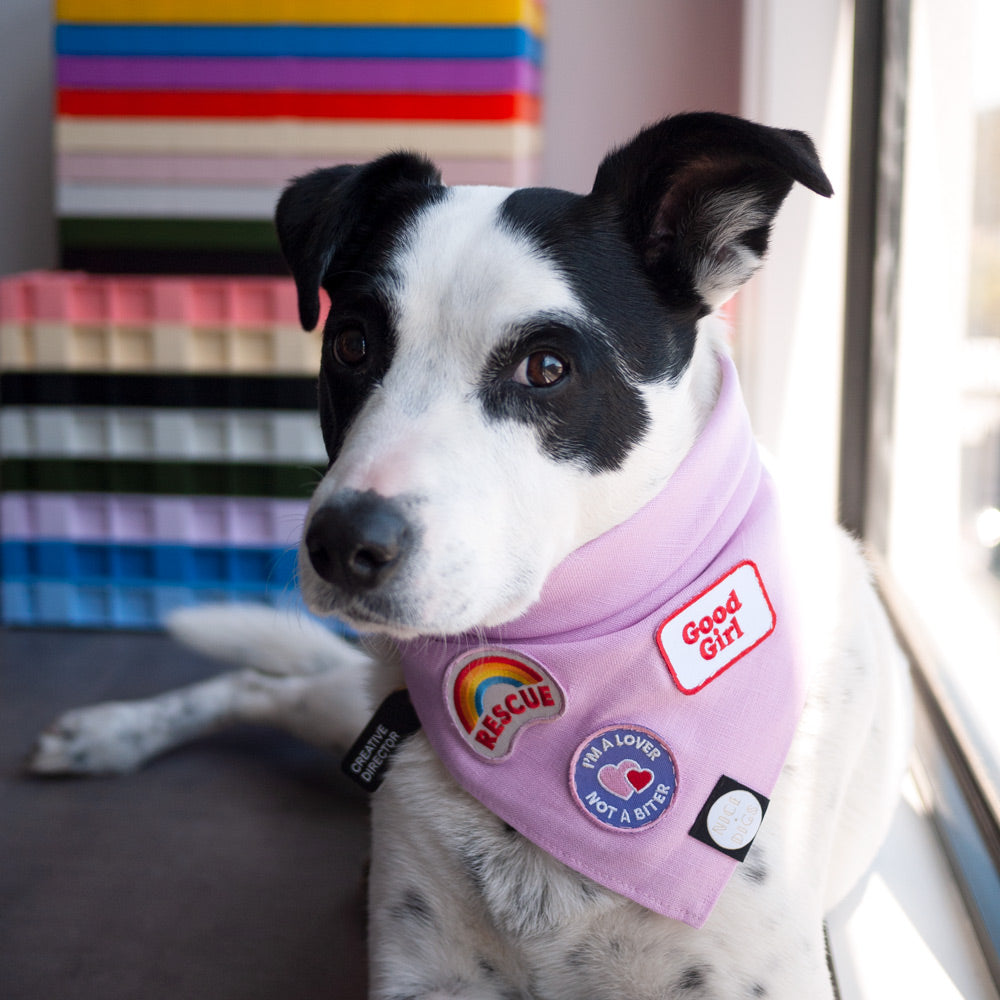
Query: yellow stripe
point(528, 13)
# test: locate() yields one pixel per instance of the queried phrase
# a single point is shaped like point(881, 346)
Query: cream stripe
point(293, 137)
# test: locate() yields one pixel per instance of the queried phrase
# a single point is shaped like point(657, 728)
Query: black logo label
point(368, 759)
point(730, 818)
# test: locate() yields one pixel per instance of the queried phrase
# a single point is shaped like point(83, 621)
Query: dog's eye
point(541, 370)
point(350, 348)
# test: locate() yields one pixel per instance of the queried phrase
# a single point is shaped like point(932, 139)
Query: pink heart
point(615, 778)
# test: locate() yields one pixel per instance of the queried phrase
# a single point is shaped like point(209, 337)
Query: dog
point(531, 421)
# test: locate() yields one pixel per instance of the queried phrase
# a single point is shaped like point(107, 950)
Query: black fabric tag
point(730, 818)
point(368, 759)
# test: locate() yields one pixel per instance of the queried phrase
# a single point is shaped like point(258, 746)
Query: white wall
point(797, 74)
point(616, 65)
point(27, 229)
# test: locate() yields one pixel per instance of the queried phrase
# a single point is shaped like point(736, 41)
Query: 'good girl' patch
point(624, 777)
point(703, 639)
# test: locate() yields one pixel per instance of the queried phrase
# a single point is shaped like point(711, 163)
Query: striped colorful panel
point(286, 73)
point(97, 517)
point(143, 433)
point(308, 40)
point(530, 13)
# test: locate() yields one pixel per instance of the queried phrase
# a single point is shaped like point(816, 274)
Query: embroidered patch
point(492, 694)
point(713, 630)
point(730, 818)
point(624, 777)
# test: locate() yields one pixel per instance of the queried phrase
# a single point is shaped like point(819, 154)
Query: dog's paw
point(100, 739)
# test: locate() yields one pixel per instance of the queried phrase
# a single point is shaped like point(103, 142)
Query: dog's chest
point(515, 920)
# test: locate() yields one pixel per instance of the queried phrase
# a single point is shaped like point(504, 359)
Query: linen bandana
point(634, 721)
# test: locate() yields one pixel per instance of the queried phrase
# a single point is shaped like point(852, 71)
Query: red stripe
point(290, 104)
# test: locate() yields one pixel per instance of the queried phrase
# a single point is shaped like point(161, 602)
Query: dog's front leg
point(298, 677)
point(121, 736)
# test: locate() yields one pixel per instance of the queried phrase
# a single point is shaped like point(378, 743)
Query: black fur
point(338, 228)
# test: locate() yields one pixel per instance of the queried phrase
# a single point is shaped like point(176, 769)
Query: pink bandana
point(634, 721)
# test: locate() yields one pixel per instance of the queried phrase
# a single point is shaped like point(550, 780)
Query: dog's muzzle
point(358, 541)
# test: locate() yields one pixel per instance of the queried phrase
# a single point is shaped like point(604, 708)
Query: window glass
point(944, 509)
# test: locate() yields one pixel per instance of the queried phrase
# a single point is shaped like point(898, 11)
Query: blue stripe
point(195, 566)
point(295, 40)
point(122, 606)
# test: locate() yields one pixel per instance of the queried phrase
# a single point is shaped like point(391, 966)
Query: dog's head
point(507, 374)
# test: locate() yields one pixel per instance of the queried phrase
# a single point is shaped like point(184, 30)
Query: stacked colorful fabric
point(159, 443)
point(179, 121)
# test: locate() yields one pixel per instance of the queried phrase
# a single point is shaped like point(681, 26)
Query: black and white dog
point(513, 381)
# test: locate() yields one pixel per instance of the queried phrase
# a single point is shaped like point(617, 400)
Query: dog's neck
point(678, 415)
point(616, 574)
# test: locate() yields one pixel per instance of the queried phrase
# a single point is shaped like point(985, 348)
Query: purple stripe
point(154, 519)
point(447, 76)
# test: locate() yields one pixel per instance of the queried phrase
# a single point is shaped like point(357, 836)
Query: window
point(921, 431)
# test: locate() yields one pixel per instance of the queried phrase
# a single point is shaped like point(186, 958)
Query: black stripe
point(153, 260)
point(257, 392)
point(231, 479)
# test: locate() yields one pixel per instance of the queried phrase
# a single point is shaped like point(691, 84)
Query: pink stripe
point(265, 170)
point(202, 521)
point(445, 76)
point(199, 301)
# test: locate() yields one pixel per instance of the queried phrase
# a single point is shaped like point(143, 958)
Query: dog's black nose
point(358, 540)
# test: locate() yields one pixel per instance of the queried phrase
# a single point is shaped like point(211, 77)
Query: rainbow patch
point(492, 694)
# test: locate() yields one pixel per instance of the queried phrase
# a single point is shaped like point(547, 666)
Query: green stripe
point(232, 479)
point(175, 234)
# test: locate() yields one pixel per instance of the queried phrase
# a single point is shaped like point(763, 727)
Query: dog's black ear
point(699, 193)
point(320, 215)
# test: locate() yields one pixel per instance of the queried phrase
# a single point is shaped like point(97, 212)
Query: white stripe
point(152, 434)
point(189, 201)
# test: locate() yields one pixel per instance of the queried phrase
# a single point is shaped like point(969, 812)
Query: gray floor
point(232, 868)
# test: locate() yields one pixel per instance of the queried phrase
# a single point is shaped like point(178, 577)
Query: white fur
point(460, 906)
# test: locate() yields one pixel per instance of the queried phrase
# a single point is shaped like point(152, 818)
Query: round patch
point(734, 819)
point(624, 777)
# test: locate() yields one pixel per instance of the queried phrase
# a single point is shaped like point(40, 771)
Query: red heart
point(639, 779)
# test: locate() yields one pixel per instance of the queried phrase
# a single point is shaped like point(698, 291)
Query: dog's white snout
point(357, 541)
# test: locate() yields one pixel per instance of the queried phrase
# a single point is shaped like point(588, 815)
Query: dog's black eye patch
point(581, 404)
point(358, 346)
